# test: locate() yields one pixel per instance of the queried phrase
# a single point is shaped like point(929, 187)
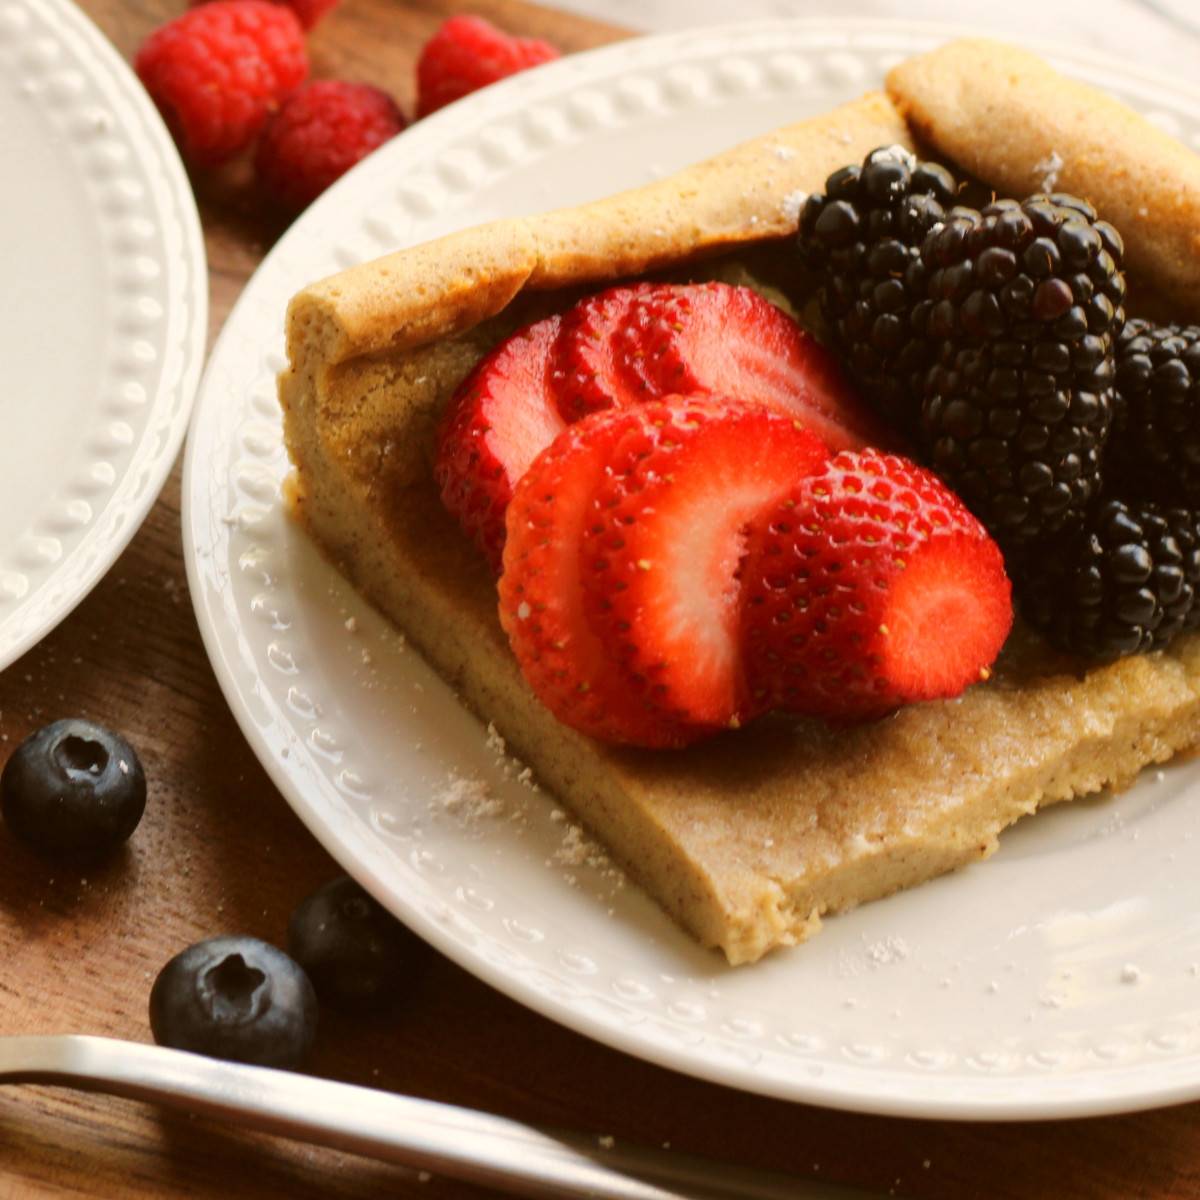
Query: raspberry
point(309, 12)
point(318, 134)
point(218, 71)
point(467, 53)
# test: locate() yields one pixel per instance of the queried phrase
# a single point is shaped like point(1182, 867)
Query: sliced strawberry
point(869, 586)
point(663, 542)
point(500, 419)
point(586, 374)
point(712, 337)
point(541, 597)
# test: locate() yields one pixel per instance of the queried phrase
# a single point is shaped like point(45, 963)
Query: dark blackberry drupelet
point(1125, 582)
point(1155, 447)
point(862, 240)
point(1023, 303)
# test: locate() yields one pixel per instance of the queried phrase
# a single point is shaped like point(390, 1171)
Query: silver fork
point(475, 1147)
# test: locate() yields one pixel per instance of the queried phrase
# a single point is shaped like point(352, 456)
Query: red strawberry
point(664, 540)
point(500, 419)
point(541, 595)
point(869, 586)
point(711, 337)
point(586, 374)
point(467, 53)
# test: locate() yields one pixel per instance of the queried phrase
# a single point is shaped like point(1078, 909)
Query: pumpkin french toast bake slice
point(747, 840)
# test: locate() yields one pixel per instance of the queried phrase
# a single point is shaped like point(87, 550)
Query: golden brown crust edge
point(1010, 119)
point(747, 194)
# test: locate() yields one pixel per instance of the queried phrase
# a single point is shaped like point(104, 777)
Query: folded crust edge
point(747, 194)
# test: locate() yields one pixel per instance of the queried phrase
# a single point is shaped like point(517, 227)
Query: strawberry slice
point(713, 337)
point(541, 596)
point(664, 539)
point(500, 418)
point(870, 585)
point(586, 372)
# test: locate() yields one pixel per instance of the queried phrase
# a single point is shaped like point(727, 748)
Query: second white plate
point(103, 311)
point(1062, 978)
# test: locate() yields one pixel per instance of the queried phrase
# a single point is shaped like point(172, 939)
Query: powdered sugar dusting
point(472, 801)
point(1048, 169)
point(507, 764)
point(469, 797)
point(888, 950)
point(495, 742)
point(791, 205)
point(578, 850)
point(897, 153)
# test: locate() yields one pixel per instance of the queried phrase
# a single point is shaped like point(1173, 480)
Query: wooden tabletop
point(220, 851)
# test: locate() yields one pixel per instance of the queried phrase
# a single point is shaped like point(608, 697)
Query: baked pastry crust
point(749, 839)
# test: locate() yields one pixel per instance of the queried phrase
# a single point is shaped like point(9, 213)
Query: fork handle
point(460, 1143)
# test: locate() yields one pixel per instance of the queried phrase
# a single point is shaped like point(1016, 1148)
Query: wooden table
point(220, 851)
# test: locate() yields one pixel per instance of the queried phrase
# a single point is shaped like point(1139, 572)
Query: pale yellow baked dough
point(1008, 118)
point(749, 839)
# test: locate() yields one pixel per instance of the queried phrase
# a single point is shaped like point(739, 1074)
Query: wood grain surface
point(219, 851)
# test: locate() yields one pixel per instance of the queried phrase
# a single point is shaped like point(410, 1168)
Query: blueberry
point(236, 998)
point(354, 951)
point(73, 790)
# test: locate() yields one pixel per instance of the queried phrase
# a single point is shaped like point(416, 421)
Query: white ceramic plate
point(1061, 978)
point(103, 310)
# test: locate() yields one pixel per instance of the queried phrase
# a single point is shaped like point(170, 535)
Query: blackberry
point(1124, 582)
point(1023, 302)
point(1155, 447)
point(862, 239)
